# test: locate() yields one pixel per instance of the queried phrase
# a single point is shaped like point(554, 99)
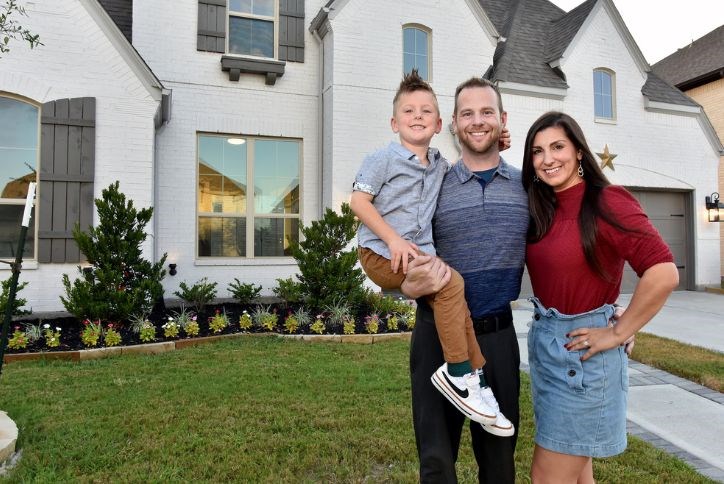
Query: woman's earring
point(580, 170)
point(536, 179)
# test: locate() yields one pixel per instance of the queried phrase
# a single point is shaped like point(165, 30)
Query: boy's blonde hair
point(412, 82)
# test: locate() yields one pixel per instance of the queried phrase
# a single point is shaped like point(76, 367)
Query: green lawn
point(703, 366)
point(249, 409)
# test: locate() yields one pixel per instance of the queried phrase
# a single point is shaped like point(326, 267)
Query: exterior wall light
point(172, 270)
point(714, 207)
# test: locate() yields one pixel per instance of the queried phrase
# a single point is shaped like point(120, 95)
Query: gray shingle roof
point(121, 11)
point(562, 31)
point(656, 89)
point(698, 63)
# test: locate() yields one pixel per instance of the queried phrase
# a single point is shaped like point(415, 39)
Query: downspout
point(320, 126)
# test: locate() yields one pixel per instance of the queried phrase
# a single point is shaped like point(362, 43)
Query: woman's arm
point(650, 294)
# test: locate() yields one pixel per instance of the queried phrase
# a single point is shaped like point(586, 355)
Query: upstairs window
point(19, 141)
point(604, 90)
point(416, 50)
point(252, 27)
point(248, 196)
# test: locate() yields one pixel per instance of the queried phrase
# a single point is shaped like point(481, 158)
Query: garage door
point(667, 211)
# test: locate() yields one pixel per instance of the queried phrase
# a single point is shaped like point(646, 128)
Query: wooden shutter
point(65, 191)
point(212, 26)
point(291, 30)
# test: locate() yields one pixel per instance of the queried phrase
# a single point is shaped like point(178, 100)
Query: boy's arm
point(400, 249)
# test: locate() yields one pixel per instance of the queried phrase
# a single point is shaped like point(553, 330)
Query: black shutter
point(65, 191)
point(212, 26)
point(291, 30)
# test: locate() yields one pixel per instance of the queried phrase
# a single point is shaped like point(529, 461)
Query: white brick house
point(306, 87)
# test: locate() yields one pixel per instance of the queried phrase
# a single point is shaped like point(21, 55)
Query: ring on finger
point(586, 344)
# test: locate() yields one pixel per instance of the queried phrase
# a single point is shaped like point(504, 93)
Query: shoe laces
point(488, 397)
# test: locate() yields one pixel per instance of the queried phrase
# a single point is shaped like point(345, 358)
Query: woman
point(582, 230)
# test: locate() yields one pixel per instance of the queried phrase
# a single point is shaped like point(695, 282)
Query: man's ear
point(504, 118)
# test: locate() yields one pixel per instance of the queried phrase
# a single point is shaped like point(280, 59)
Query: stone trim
point(234, 65)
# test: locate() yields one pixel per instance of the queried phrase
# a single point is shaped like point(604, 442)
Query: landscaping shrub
point(288, 290)
point(244, 293)
point(198, 295)
point(17, 303)
point(120, 281)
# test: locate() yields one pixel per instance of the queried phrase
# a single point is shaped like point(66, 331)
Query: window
point(236, 222)
point(603, 94)
point(251, 27)
point(19, 140)
point(416, 50)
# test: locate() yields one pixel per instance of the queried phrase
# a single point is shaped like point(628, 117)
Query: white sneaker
point(502, 427)
point(465, 394)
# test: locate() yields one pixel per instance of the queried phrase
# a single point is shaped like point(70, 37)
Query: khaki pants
point(452, 316)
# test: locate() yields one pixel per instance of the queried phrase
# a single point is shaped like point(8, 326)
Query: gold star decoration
point(607, 158)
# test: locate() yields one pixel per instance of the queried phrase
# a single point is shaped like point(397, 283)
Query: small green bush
point(289, 290)
point(17, 303)
point(198, 295)
point(264, 318)
point(244, 293)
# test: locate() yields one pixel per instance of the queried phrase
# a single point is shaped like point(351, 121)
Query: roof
point(656, 89)
point(121, 11)
point(698, 63)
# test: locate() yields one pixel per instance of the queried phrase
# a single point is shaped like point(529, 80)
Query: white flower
point(57, 329)
point(46, 326)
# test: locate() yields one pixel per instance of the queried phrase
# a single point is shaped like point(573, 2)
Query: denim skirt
point(579, 406)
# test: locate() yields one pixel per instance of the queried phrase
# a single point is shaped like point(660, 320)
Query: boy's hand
point(401, 250)
point(504, 140)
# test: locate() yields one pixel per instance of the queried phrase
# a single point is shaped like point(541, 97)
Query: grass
point(694, 363)
point(251, 409)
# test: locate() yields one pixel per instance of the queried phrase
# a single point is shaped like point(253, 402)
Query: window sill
point(236, 65)
point(27, 265)
point(240, 261)
point(605, 120)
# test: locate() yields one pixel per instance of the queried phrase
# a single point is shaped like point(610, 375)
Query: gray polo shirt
point(405, 194)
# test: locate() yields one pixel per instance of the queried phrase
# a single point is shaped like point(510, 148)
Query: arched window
point(416, 48)
point(604, 94)
point(19, 141)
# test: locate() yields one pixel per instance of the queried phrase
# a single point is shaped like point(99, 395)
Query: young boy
point(394, 196)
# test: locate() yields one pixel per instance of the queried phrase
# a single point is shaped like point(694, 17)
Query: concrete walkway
point(678, 416)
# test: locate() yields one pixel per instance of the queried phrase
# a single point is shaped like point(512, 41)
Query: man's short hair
point(412, 82)
point(478, 82)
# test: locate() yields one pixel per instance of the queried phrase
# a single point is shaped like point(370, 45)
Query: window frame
point(596, 94)
point(274, 19)
point(251, 214)
point(21, 201)
point(428, 33)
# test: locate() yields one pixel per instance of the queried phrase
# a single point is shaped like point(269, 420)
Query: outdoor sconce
point(714, 207)
point(172, 269)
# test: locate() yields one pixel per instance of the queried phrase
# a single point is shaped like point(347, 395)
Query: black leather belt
point(492, 322)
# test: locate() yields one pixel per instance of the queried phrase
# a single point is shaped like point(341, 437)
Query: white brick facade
point(338, 103)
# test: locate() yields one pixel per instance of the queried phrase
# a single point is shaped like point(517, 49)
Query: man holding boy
point(480, 227)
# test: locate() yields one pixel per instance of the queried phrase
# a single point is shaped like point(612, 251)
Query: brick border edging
point(8, 437)
point(166, 346)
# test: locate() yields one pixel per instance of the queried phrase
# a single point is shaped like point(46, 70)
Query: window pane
point(421, 64)
point(408, 40)
point(251, 37)
point(10, 218)
point(276, 176)
point(409, 62)
point(272, 236)
point(222, 237)
point(420, 42)
point(603, 94)
point(18, 147)
point(222, 175)
point(256, 7)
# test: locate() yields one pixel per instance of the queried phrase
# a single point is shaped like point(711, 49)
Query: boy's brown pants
point(452, 316)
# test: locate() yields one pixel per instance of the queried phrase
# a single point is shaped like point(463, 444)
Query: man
point(480, 229)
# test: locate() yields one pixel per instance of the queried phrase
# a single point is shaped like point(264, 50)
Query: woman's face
point(556, 159)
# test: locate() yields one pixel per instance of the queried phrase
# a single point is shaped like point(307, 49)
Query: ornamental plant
point(198, 295)
point(119, 281)
point(318, 325)
point(327, 263)
point(245, 321)
point(348, 327)
point(187, 322)
point(393, 322)
point(337, 313)
point(372, 324)
point(111, 336)
point(218, 322)
point(291, 323)
point(144, 328)
point(264, 318)
point(91, 333)
point(17, 340)
point(243, 293)
point(33, 332)
point(52, 336)
point(289, 290)
point(170, 328)
point(18, 303)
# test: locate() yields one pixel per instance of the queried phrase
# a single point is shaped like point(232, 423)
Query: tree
point(327, 272)
point(11, 29)
point(120, 282)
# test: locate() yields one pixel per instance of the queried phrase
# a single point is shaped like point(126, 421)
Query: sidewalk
point(678, 416)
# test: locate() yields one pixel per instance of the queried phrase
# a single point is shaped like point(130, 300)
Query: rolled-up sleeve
point(371, 175)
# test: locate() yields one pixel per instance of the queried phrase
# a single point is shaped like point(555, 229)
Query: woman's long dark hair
point(542, 200)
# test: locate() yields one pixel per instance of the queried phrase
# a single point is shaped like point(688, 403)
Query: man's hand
point(504, 140)
point(628, 345)
point(426, 274)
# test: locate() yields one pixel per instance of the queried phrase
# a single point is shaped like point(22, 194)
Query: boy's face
point(416, 119)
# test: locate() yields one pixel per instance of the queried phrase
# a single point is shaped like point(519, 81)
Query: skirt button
point(571, 372)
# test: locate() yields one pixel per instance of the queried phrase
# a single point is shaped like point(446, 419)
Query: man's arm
point(426, 274)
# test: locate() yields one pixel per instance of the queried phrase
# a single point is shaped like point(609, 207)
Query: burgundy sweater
point(560, 276)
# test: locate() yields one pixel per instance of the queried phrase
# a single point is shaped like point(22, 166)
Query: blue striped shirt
point(481, 232)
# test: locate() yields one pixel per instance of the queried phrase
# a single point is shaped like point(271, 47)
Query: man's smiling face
point(478, 120)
